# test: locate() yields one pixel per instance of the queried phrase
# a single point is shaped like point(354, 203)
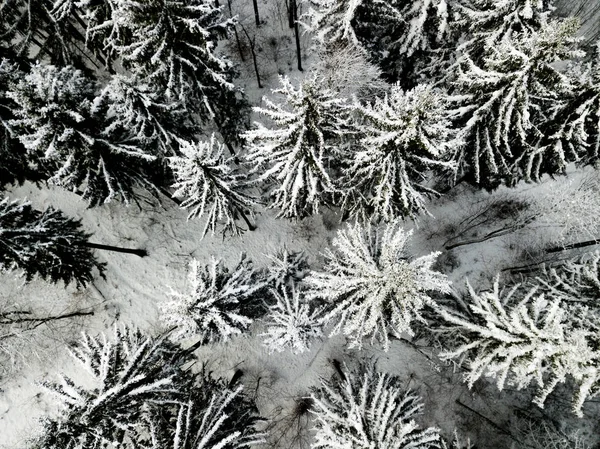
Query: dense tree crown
point(403, 136)
point(372, 287)
point(209, 184)
point(45, 243)
point(297, 154)
point(369, 409)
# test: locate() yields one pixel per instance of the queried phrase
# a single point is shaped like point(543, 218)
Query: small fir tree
point(405, 135)
point(220, 304)
point(63, 138)
point(522, 338)
point(46, 244)
point(369, 409)
point(209, 185)
point(299, 153)
point(372, 288)
point(292, 321)
point(287, 268)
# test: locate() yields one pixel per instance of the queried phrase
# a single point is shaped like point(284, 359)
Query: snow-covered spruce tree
point(210, 186)
point(369, 409)
point(402, 36)
point(46, 244)
point(127, 375)
point(292, 321)
point(220, 303)
point(172, 44)
point(208, 415)
point(487, 24)
point(501, 106)
point(573, 133)
point(64, 138)
point(298, 153)
point(404, 136)
point(150, 121)
point(521, 338)
point(13, 165)
point(331, 22)
point(372, 288)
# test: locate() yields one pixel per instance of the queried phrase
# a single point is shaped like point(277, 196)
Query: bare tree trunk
point(252, 43)
point(251, 227)
point(116, 249)
point(239, 44)
point(297, 33)
point(256, 18)
point(573, 246)
point(37, 321)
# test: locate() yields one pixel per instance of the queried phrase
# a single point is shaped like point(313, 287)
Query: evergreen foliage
point(133, 109)
point(29, 28)
point(405, 135)
point(172, 45)
point(63, 137)
point(209, 184)
point(523, 337)
point(46, 244)
point(14, 166)
point(490, 23)
point(142, 394)
point(298, 154)
point(573, 133)
point(576, 281)
point(221, 303)
point(502, 106)
point(128, 373)
point(292, 321)
point(404, 37)
point(209, 415)
point(287, 268)
point(369, 409)
point(372, 287)
point(331, 21)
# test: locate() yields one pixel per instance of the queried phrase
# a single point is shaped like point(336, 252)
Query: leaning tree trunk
point(117, 249)
point(573, 246)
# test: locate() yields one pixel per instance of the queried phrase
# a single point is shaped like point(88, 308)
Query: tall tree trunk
point(116, 249)
point(256, 17)
point(239, 44)
point(252, 43)
point(297, 33)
